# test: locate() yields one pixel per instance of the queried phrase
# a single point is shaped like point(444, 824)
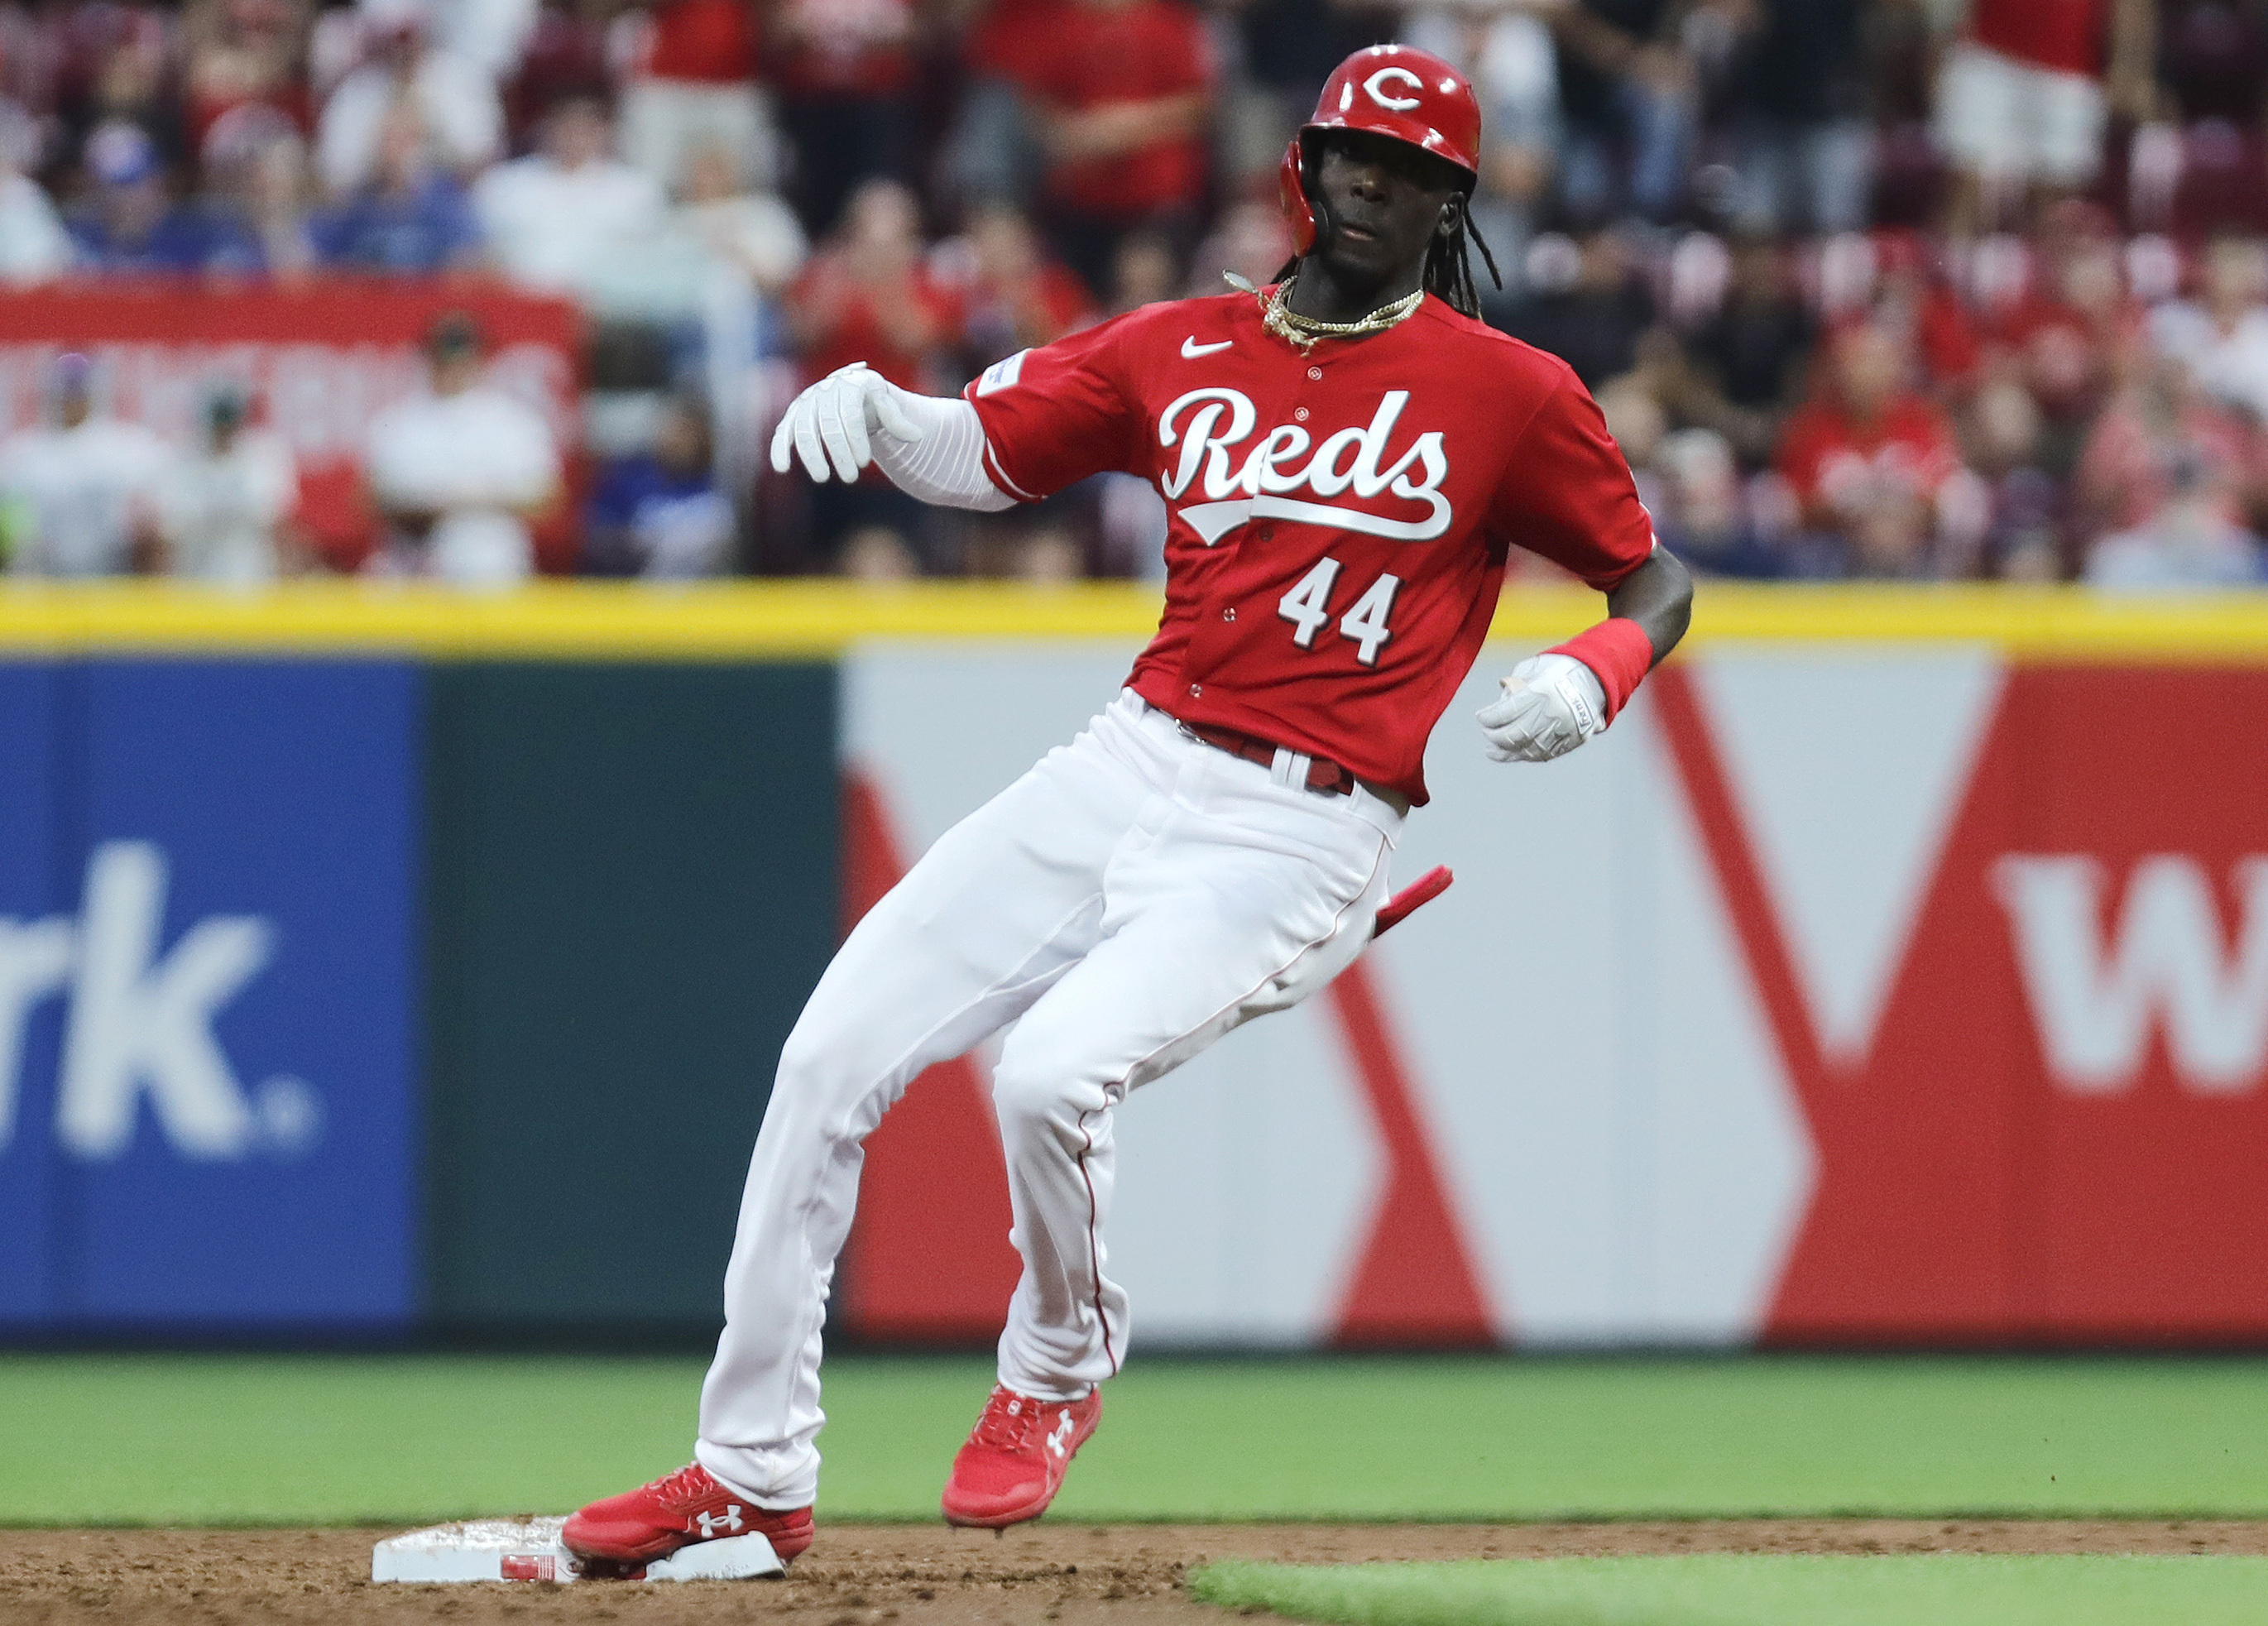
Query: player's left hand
point(1550, 704)
point(834, 420)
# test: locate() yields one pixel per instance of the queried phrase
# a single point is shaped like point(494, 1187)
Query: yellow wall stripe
point(816, 619)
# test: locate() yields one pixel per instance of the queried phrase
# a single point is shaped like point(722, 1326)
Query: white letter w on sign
point(140, 1023)
point(2095, 1004)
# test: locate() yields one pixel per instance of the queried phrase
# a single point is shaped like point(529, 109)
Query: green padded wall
point(633, 885)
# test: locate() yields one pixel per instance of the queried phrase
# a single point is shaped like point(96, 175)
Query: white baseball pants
point(1128, 900)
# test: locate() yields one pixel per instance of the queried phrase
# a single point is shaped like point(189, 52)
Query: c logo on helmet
point(1393, 104)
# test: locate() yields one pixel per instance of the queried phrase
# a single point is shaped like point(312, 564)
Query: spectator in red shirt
point(845, 73)
point(243, 53)
point(1122, 97)
point(1915, 299)
point(2070, 339)
point(694, 85)
point(993, 155)
point(2024, 95)
point(1876, 468)
point(866, 296)
point(1016, 296)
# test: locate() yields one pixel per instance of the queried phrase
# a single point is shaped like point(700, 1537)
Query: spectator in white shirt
point(458, 472)
point(561, 217)
point(227, 507)
point(454, 97)
point(78, 496)
point(752, 231)
point(2223, 338)
point(493, 33)
point(34, 245)
point(693, 82)
point(715, 260)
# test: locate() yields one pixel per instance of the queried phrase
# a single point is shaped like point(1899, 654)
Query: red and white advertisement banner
point(1888, 995)
point(320, 362)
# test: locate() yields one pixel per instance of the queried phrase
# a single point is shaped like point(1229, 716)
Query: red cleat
point(1014, 1460)
point(677, 1510)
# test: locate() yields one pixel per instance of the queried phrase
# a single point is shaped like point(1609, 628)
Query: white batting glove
point(833, 422)
point(1550, 704)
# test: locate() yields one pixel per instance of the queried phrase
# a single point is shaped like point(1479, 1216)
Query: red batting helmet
point(1387, 90)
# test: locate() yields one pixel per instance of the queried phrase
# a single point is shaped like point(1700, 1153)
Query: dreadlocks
point(1449, 266)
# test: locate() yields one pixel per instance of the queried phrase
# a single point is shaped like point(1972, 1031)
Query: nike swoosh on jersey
point(1191, 350)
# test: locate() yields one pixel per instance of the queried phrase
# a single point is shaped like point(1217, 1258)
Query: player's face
point(1386, 201)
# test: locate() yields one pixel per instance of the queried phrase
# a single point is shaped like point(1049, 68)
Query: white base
point(528, 1549)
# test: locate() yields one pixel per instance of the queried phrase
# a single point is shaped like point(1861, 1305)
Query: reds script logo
point(1206, 422)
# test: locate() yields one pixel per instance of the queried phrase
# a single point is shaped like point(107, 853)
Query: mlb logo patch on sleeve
point(1002, 374)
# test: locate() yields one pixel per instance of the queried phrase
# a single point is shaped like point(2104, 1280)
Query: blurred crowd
point(1885, 289)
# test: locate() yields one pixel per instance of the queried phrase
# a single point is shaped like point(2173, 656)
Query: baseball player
point(1347, 455)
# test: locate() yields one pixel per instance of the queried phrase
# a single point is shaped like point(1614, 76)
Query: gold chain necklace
point(1302, 332)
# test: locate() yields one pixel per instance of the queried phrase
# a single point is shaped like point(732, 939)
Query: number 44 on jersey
point(1307, 607)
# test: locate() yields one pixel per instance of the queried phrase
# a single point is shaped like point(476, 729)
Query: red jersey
point(894, 330)
point(2066, 35)
point(1136, 53)
point(1835, 462)
point(1040, 308)
point(1014, 40)
point(2068, 354)
point(1340, 519)
point(828, 49)
point(702, 42)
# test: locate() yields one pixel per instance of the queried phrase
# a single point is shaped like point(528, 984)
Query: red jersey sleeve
point(1567, 495)
point(1057, 413)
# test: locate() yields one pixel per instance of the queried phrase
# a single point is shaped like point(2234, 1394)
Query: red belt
point(1323, 775)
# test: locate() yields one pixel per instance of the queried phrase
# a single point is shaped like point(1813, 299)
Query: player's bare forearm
point(1659, 596)
point(1552, 703)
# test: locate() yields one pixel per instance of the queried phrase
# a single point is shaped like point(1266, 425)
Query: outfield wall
point(1888, 993)
point(1896, 971)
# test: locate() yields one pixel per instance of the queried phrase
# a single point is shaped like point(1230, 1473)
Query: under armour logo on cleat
point(1061, 1433)
point(711, 1523)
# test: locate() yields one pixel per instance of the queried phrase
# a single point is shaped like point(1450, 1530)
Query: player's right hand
point(834, 420)
point(1550, 704)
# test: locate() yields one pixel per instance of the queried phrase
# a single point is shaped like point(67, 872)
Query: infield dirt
point(907, 1575)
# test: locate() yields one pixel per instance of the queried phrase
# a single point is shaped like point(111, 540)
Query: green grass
point(296, 1440)
point(1753, 1590)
